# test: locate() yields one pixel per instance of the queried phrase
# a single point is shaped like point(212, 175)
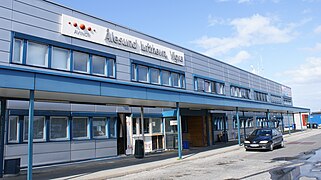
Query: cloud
point(307, 73)
point(317, 30)
point(212, 21)
point(316, 48)
point(239, 57)
point(250, 31)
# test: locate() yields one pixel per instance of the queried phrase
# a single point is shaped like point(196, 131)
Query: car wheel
point(271, 147)
point(282, 144)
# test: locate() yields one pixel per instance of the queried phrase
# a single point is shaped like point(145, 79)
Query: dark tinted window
point(262, 132)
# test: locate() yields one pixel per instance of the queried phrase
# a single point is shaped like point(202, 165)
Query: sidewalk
point(120, 166)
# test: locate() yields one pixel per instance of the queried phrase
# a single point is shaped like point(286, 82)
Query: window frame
point(27, 126)
point(106, 126)
point(21, 52)
point(17, 130)
point(87, 128)
point(52, 58)
point(67, 129)
point(105, 65)
point(46, 65)
point(88, 62)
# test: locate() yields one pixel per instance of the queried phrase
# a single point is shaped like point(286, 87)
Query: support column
point(179, 131)
point(289, 121)
point(2, 124)
point(282, 122)
point(244, 124)
point(142, 124)
point(301, 121)
point(30, 133)
point(268, 117)
point(238, 126)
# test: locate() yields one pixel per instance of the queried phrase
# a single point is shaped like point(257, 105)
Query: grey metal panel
point(5, 13)
point(52, 106)
point(51, 147)
point(106, 143)
point(4, 46)
point(49, 158)
point(16, 150)
point(122, 60)
point(99, 108)
point(117, 52)
point(105, 152)
point(83, 154)
point(200, 72)
point(36, 11)
point(13, 104)
point(6, 3)
point(4, 57)
point(48, 6)
point(5, 35)
point(5, 24)
point(144, 59)
point(123, 68)
point(82, 145)
point(123, 109)
point(82, 107)
point(36, 22)
point(123, 76)
point(89, 45)
point(26, 29)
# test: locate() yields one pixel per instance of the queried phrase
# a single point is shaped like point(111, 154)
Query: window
point(112, 127)
point(166, 78)
point(200, 84)
point(207, 87)
point(134, 126)
point(142, 73)
point(154, 76)
point(37, 54)
point(220, 88)
point(38, 128)
point(134, 75)
point(60, 58)
point(99, 65)
point(260, 96)
point(146, 125)
point(13, 129)
point(17, 51)
point(183, 81)
point(156, 125)
point(111, 68)
point(99, 127)
point(58, 128)
point(79, 127)
point(81, 62)
point(175, 80)
point(240, 92)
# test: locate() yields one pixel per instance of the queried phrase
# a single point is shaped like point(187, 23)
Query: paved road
point(241, 164)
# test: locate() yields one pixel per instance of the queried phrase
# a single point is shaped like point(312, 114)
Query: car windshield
point(262, 132)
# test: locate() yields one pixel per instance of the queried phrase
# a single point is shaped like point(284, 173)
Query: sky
point(277, 39)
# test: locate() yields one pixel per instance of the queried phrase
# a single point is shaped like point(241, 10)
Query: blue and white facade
point(93, 80)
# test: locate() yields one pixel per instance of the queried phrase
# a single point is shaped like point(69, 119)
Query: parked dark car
point(264, 138)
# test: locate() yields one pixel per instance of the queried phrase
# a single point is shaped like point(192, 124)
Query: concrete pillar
point(289, 121)
point(142, 124)
point(238, 126)
point(301, 121)
point(179, 131)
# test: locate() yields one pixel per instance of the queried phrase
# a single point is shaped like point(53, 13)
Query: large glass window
point(99, 65)
point(112, 128)
point(79, 127)
point(38, 128)
point(166, 78)
point(111, 68)
point(17, 51)
point(154, 76)
point(81, 62)
point(157, 125)
point(175, 80)
point(58, 128)
point(37, 54)
point(200, 84)
point(60, 58)
point(142, 73)
point(13, 129)
point(183, 81)
point(99, 127)
point(207, 86)
point(134, 75)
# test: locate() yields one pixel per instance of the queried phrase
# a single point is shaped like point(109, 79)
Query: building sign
point(81, 29)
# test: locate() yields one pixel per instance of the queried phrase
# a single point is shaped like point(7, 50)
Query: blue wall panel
point(163, 95)
point(68, 85)
point(16, 79)
point(117, 90)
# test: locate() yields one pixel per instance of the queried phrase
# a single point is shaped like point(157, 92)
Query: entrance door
point(121, 134)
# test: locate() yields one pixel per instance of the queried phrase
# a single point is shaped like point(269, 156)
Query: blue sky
point(278, 39)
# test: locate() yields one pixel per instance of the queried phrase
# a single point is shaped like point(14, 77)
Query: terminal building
point(90, 88)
